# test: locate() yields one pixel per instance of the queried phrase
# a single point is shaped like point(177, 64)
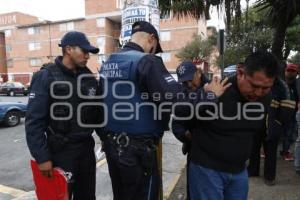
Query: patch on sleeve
point(31, 95)
point(169, 78)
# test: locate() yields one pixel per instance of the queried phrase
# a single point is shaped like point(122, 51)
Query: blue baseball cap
point(75, 38)
point(185, 71)
point(143, 26)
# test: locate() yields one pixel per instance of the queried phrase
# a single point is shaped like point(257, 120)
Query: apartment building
point(26, 42)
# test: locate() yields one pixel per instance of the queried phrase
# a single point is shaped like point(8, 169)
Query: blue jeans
point(209, 184)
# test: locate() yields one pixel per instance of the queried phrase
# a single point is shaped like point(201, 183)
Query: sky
point(67, 9)
point(45, 9)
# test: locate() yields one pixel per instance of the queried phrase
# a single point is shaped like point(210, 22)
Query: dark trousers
point(270, 145)
point(188, 161)
point(133, 171)
point(254, 162)
point(186, 150)
point(271, 158)
point(79, 159)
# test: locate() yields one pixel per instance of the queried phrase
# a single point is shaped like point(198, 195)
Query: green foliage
point(293, 35)
point(180, 8)
point(231, 56)
point(269, 25)
point(250, 34)
point(198, 48)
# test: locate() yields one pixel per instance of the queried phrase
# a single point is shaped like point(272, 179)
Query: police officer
point(192, 80)
point(137, 82)
point(56, 119)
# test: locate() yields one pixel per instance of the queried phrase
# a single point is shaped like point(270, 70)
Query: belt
point(123, 139)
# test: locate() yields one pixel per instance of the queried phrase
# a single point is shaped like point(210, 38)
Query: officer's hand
point(46, 169)
point(217, 86)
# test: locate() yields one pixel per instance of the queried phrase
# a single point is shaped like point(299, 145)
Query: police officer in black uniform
point(58, 124)
point(137, 82)
point(192, 80)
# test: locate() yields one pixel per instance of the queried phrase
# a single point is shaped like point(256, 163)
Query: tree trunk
point(206, 12)
point(247, 10)
point(228, 14)
point(279, 37)
point(238, 11)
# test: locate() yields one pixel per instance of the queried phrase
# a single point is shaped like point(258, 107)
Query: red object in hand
point(55, 188)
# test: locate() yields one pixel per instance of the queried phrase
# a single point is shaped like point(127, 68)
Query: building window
point(166, 57)
point(32, 46)
point(9, 63)
point(101, 41)
point(120, 3)
point(35, 62)
point(165, 35)
point(33, 30)
point(101, 22)
point(66, 26)
point(101, 44)
point(10, 77)
point(8, 48)
point(7, 33)
point(101, 58)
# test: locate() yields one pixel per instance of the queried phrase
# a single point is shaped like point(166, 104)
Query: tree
point(198, 48)
point(250, 34)
point(292, 41)
point(280, 12)
point(195, 8)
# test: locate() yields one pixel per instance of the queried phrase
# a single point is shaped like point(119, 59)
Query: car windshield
point(18, 84)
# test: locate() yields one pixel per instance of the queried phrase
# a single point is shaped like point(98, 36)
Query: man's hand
point(46, 169)
point(217, 86)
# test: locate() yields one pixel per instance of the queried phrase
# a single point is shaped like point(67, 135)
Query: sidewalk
point(287, 186)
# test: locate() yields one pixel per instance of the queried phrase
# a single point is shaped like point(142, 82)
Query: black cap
point(75, 38)
point(185, 71)
point(143, 26)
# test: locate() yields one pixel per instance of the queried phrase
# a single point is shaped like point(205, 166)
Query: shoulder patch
point(169, 78)
point(31, 95)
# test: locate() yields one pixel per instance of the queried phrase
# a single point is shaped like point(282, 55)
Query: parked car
point(11, 113)
point(229, 71)
point(12, 88)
